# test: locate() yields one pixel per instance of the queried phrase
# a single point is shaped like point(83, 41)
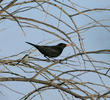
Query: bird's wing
point(50, 51)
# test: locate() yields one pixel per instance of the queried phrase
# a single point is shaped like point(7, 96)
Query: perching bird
point(50, 51)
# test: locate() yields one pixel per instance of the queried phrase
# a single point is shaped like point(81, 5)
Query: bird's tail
point(31, 44)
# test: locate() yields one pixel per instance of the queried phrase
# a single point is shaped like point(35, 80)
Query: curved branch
point(44, 82)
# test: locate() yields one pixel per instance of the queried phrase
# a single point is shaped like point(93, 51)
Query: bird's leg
point(47, 58)
point(51, 60)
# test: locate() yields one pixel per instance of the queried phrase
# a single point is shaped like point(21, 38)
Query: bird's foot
point(60, 61)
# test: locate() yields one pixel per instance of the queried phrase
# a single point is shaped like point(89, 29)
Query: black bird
point(50, 51)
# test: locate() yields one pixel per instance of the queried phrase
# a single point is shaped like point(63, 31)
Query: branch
point(46, 83)
point(95, 9)
point(8, 6)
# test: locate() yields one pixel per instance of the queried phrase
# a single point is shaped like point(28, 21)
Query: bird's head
point(63, 45)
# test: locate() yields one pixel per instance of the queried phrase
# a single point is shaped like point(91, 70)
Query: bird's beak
point(67, 45)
